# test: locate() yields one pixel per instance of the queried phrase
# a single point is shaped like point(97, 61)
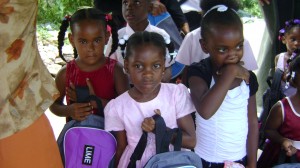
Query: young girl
point(223, 93)
point(91, 68)
point(131, 113)
point(283, 123)
point(290, 36)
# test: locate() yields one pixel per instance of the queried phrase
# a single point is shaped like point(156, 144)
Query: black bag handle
point(163, 139)
point(276, 80)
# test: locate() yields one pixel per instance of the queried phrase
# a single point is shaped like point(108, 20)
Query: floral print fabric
point(26, 87)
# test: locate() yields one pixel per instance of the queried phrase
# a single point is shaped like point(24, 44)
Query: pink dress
point(124, 113)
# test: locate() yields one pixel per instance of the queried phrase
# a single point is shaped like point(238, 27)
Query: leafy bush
point(52, 11)
point(251, 6)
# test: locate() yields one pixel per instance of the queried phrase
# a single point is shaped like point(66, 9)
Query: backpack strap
point(163, 139)
point(276, 80)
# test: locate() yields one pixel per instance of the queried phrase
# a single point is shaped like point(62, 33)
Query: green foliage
point(252, 7)
point(52, 11)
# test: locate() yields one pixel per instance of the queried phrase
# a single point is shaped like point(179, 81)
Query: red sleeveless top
point(102, 79)
point(291, 123)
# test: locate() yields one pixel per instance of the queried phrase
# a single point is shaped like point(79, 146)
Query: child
point(136, 15)
point(131, 113)
point(283, 123)
point(290, 36)
point(91, 68)
point(190, 50)
point(223, 93)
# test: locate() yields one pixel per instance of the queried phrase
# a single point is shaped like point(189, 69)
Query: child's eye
point(138, 66)
point(222, 50)
point(97, 40)
point(137, 2)
point(125, 2)
point(239, 47)
point(156, 66)
point(82, 41)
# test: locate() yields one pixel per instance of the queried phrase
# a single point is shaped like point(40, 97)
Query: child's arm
point(207, 101)
point(121, 79)
point(78, 111)
point(187, 126)
point(252, 138)
point(273, 123)
point(121, 145)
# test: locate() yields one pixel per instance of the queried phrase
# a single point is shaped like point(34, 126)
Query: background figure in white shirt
point(136, 15)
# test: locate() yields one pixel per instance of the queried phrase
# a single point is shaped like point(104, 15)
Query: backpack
point(164, 158)
point(85, 143)
point(271, 96)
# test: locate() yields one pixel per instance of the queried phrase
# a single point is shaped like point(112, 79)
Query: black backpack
point(271, 96)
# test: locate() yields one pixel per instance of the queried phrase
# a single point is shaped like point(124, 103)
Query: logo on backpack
point(88, 154)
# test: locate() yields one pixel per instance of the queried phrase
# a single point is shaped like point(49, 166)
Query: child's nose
point(91, 47)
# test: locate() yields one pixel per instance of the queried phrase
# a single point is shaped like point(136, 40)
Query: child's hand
point(236, 69)
point(148, 124)
point(70, 91)
point(288, 147)
point(80, 111)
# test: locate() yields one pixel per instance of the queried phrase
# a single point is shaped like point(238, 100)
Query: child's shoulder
point(173, 89)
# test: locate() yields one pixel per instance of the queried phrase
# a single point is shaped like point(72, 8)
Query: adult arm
point(177, 15)
point(252, 138)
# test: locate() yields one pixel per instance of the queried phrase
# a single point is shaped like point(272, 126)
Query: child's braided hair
point(83, 14)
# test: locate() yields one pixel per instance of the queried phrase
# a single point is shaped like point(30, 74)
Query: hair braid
point(61, 36)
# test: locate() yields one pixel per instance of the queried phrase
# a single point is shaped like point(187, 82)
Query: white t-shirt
point(191, 5)
point(190, 51)
point(223, 137)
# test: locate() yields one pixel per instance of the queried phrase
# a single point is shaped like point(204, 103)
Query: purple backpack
point(86, 144)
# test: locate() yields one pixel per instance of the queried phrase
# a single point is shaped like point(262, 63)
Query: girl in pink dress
point(131, 113)
point(283, 123)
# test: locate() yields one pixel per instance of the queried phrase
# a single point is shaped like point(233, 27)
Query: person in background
point(27, 90)
point(283, 122)
point(192, 12)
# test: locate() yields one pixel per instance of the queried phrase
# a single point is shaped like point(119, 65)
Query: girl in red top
point(103, 77)
point(283, 123)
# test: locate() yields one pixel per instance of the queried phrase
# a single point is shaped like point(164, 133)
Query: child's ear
point(107, 35)
point(203, 45)
point(71, 39)
point(283, 40)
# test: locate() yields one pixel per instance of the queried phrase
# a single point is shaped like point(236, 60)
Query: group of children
point(222, 86)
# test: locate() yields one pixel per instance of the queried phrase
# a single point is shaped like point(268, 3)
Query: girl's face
point(145, 67)
point(292, 39)
point(224, 44)
point(135, 12)
point(89, 38)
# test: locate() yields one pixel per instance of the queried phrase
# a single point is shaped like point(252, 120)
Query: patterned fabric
point(27, 89)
